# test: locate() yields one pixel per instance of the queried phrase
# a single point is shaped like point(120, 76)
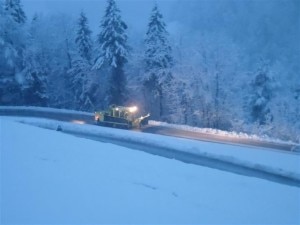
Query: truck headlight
point(133, 109)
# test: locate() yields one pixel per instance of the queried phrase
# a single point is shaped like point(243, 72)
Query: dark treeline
point(205, 78)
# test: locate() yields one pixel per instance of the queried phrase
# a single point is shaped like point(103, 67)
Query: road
point(162, 130)
point(87, 118)
point(215, 138)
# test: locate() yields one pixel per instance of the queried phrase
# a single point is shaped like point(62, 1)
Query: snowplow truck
point(121, 117)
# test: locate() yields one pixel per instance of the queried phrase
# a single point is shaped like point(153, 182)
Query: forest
point(229, 65)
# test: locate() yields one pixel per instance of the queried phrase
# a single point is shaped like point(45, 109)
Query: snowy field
point(51, 177)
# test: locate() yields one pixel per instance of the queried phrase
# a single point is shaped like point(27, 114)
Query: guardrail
point(49, 113)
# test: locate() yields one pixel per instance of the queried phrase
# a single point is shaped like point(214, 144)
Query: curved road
point(88, 118)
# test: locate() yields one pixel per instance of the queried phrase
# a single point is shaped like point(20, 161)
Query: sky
point(134, 12)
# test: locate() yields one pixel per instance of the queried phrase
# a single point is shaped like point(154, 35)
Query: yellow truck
point(121, 117)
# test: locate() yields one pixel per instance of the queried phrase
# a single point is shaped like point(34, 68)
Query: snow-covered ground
point(51, 177)
point(272, 161)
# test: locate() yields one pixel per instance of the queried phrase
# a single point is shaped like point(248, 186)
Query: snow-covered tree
point(210, 77)
point(158, 64)
point(83, 38)
point(34, 91)
point(113, 53)
point(80, 74)
point(12, 45)
point(14, 8)
point(58, 51)
point(262, 88)
point(81, 84)
point(34, 88)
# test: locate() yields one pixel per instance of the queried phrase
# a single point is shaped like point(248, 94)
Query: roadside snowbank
point(272, 161)
point(44, 109)
point(231, 134)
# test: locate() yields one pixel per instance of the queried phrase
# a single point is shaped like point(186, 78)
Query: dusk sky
point(134, 12)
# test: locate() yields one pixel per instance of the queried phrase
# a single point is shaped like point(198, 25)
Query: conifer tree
point(80, 72)
point(34, 92)
point(34, 87)
point(113, 52)
point(15, 10)
point(12, 45)
point(158, 64)
point(262, 86)
point(83, 38)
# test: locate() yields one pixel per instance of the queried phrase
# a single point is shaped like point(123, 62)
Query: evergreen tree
point(81, 84)
point(113, 52)
point(12, 45)
point(80, 72)
point(83, 38)
point(262, 94)
point(158, 64)
point(34, 86)
point(34, 93)
point(15, 10)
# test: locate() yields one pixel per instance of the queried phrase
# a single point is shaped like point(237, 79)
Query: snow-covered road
point(48, 177)
point(182, 131)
